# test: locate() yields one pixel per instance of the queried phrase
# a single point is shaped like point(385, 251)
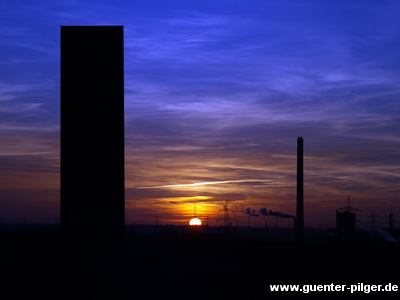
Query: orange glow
point(195, 222)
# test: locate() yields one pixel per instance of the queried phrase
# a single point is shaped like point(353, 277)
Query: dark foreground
point(187, 265)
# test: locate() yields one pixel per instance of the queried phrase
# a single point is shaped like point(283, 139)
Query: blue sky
point(216, 91)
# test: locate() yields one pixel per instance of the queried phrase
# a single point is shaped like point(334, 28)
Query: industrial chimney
point(300, 192)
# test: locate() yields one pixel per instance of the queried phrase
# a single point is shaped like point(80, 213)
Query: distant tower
point(300, 192)
point(228, 220)
point(391, 222)
point(92, 132)
point(346, 222)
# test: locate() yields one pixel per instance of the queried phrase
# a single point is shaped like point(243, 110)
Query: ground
point(186, 264)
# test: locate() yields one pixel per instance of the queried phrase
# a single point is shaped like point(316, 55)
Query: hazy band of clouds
point(203, 183)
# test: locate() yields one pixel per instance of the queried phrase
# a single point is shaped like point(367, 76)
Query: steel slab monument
point(92, 131)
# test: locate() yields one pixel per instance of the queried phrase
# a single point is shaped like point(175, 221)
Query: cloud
point(177, 42)
point(203, 183)
point(9, 91)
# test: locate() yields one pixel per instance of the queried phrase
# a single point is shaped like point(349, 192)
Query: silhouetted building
point(300, 191)
point(92, 131)
point(346, 222)
point(391, 222)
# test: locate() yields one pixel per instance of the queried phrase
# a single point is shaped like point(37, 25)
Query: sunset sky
point(216, 94)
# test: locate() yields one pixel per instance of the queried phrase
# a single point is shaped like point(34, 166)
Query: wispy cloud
point(9, 91)
point(180, 41)
point(203, 183)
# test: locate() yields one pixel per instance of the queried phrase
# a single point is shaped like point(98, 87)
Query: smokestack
point(300, 192)
point(92, 132)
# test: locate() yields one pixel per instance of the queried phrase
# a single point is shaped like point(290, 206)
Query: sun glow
point(195, 222)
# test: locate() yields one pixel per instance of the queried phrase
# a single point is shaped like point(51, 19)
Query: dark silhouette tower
point(346, 222)
point(300, 192)
point(92, 132)
point(391, 222)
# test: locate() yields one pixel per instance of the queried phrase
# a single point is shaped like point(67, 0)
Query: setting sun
point(195, 221)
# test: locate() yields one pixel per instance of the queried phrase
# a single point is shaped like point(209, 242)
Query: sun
point(195, 221)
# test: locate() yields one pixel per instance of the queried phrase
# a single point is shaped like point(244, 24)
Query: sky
point(216, 94)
